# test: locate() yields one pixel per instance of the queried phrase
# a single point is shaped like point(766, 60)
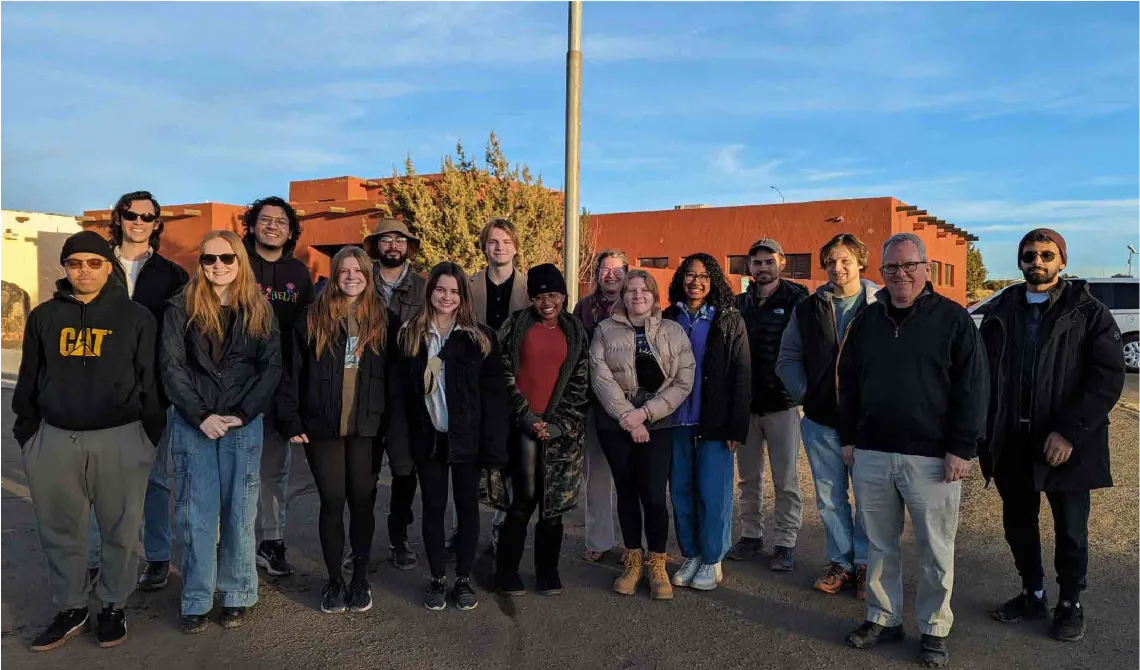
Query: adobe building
point(661, 239)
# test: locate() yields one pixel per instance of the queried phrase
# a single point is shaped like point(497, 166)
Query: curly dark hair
point(249, 219)
point(124, 204)
point(720, 293)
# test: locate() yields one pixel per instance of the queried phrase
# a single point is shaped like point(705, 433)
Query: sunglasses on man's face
point(131, 216)
point(208, 260)
point(1030, 256)
point(76, 263)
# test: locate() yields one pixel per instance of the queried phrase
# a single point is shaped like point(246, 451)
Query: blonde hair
point(333, 305)
point(650, 284)
point(602, 257)
point(502, 224)
point(412, 333)
point(204, 307)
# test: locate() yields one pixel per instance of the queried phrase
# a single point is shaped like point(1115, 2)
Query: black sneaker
point(1068, 622)
point(155, 575)
point(870, 634)
point(194, 623)
point(1024, 605)
point(746, 549)
point(464, 594)
point(332, 597)
point(112, 627)
point(271, 557)
point(510, 585)
point(358, 598)
point(435, 598)
point(549, 584)
point(233, 617)
point(66, 625)
point(783, 559)
point(449, 546)
point(403, 558)
point(933, 652)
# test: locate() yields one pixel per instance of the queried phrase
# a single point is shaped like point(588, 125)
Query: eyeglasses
point(76, 263)
point(893, 268)
point(612, 272)
point(1030, 256)
point(131, 216)
point(547, 297)
point(208, 260)
point(393, 241)
point(694, 277)
point(272, 222)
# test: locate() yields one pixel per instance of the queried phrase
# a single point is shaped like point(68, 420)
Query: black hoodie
point(285, 283)
point(103, 380)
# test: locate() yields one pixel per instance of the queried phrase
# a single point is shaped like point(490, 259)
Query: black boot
point(512, 541)
point(547, 549)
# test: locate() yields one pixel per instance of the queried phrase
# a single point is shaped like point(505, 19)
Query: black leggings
point(433, 493)
point(641, 472)
point(342, 469)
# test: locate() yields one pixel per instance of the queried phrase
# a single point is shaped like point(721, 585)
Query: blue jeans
point(701, 488)
point(843, 529)
point(155, 531)
point(216, 484)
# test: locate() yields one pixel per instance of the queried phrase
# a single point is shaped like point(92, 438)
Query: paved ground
point(757, 619)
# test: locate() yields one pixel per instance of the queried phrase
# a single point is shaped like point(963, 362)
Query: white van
point(1122, 297)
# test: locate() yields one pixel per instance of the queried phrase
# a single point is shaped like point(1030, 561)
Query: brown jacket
point(613, 375)
point(478, 282)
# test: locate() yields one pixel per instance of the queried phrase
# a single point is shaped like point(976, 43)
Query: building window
point(658, 262)
point(738, 265)
point(936, 273)
point(949, 275)
point(798, 267)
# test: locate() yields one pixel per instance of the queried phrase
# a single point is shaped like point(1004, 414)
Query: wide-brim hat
point(388, 225)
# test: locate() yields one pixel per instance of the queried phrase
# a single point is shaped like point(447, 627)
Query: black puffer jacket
point(766, 323)
point(242, 385)
point(726, 376)
point(477, 406)
point(1080, 364)
point(309, 399)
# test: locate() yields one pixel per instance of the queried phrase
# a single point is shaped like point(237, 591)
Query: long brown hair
point(413, 332)
point(204, 308)
point(332, 306)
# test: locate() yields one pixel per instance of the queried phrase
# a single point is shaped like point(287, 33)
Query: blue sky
point(995, 117)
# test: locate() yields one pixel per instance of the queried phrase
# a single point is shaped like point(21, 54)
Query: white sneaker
point(684, 576)
point(707, 577)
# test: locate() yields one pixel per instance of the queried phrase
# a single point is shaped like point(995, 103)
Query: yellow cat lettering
point(71, 344)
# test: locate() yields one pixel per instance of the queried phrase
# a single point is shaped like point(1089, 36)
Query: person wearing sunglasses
point(713, 421)
point(913, 389)
point(151, 280)
point(641, 370)
point(88, 417)
point(545, 352)
point(1056, 371)
point(610, 267)
point(332, 402)
point(221, 364)
point(272, 231)
point(451, 412)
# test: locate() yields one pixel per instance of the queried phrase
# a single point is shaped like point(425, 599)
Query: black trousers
point(400, 514)
point(433, 492)
point(342, 469)
point(641, 472)
point(528, 488)
point(1021, 507)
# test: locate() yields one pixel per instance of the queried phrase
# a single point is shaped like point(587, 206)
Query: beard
point(1039, 276)
point(764, 280)
point(392, 262)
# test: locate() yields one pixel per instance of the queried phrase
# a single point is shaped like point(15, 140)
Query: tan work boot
point(658, 577)
point(626, 582)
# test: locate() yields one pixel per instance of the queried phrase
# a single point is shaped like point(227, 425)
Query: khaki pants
point(778, 433)
point(599, 486)
point(884, 485)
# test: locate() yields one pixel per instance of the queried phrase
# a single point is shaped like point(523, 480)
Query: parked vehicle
point(1122, 297)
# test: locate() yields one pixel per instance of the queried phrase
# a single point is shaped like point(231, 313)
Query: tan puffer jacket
point(613, 375)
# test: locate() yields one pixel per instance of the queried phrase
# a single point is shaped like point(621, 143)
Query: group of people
point(489, 389)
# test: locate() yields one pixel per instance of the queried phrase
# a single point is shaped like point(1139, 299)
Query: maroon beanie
point(1051, 235)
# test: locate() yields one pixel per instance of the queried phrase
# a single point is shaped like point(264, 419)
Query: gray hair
point(899, 238)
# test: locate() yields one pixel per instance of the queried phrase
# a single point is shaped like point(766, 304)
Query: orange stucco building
point(341, 210)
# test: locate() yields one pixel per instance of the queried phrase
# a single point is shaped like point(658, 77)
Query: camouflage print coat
point(562, 455)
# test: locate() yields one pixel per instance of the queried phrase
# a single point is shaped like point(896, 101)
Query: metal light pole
point(1131, 252)
point(782, 201)
point(570, 248)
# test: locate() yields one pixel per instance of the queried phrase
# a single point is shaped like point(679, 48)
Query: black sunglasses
point(1046, 256)
point(131, 216)
point(210, 259)
point(75, 263)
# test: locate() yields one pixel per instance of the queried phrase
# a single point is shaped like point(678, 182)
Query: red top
point(543, 353)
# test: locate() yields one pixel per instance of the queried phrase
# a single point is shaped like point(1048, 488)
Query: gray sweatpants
point(69, 472)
